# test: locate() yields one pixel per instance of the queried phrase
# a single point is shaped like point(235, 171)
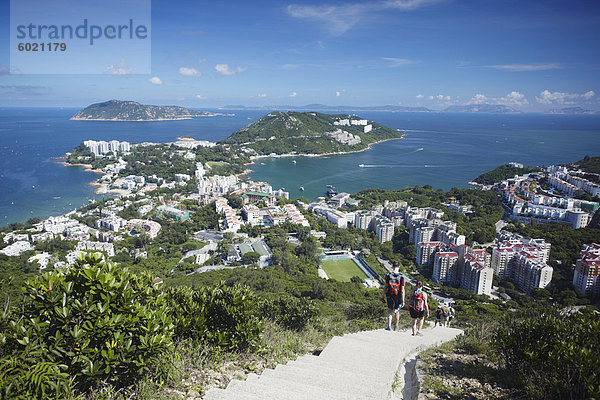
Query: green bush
point(556, 356)
point(290, 312)
point(223, 316)
point(90, 323)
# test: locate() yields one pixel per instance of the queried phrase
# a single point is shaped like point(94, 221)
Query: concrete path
point(364, 365)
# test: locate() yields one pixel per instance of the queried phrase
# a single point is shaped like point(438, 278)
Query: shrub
point(290, 312)
point(92, 322)
point(556, 356)
point(223, 316)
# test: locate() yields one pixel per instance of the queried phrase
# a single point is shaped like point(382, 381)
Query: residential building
point(426, 250)
point(477, 277)
point(586, 278)
point(445, 266)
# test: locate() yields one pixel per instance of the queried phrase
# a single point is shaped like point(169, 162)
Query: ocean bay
point(439, 149)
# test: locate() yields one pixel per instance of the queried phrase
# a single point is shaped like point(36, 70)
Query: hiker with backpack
point(450, 316)
point(418, 308)
point(438, 317)
point(393, 295)
point(445, 315)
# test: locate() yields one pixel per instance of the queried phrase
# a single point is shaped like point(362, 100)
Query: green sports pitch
point(342, 270)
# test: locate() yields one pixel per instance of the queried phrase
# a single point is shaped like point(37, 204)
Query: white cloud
point(261, 95)
point(514, 98)
point(525, 67)
point(438, 97)
point(340, 18)
point(420, 96)
point(478, 99)
point(155, 80)
point(201, 60)
point(189, 71)
point(398, 62)
point(223, 69)
point(588, 95)
point(118, 69)
point(200, 97)
point(548, 97)
point(293, 94)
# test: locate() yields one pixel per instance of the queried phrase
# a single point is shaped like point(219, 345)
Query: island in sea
point(118, 110)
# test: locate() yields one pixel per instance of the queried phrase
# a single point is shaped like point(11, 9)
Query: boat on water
point(330, 192)
point(56, 197)
point(294, 161)
point(301, 188)
point(330, 186)
point(361, 165)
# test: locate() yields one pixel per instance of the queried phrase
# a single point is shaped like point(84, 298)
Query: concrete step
point(317, 364)
point(355, 366)
point(277, 388)
point(223, 394)
point(341, 365)
point(334, 382)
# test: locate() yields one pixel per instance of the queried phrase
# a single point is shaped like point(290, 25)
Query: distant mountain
point(324, 107)
point(482, 108)
point(309, 133)
point(117, 110)
point(570, 110)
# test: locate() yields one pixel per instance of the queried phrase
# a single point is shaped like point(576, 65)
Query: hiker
point(450, 316)
point(445, 315)
point(438, 317)
point(418, 308)
point(393, 293)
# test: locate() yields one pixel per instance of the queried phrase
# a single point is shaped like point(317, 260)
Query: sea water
point(439, 149)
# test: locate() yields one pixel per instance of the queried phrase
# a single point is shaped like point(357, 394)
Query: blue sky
point(532, 55)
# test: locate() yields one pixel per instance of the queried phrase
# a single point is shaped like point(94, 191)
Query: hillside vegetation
point(503, 172)
point(116, 110)
point(305, 133)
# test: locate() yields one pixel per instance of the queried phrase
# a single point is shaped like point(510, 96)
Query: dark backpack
point(394, 283)
point(418, 301)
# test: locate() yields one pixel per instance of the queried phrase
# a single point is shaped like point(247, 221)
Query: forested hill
point(309, 133)
point(589, 164)
point(117, 110)
point(503, 172)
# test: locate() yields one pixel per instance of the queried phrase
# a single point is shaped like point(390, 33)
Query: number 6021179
point(50, 46)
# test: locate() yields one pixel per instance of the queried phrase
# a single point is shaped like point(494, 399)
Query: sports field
point(342, 270)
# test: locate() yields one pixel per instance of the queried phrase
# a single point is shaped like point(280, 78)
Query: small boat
point(361, 165)
point(301, 188)
point(330, 192)
point(330, 186)
point(294, 161)
point(56, 197)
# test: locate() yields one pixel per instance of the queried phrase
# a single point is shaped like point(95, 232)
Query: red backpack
point(417, 302)
point(394, 282)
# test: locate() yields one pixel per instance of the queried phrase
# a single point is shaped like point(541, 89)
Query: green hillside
point(117, 110)
point(307, 133)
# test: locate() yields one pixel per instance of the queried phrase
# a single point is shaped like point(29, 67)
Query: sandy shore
point(87, 167)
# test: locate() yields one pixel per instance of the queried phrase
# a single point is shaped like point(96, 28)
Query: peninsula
point(312, 133)
point(117, 110)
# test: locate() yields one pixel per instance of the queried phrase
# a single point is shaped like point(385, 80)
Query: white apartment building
point(586, 278)
point(96, 246)
point(445, 266)
point(477, 277)
point(384, 228)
